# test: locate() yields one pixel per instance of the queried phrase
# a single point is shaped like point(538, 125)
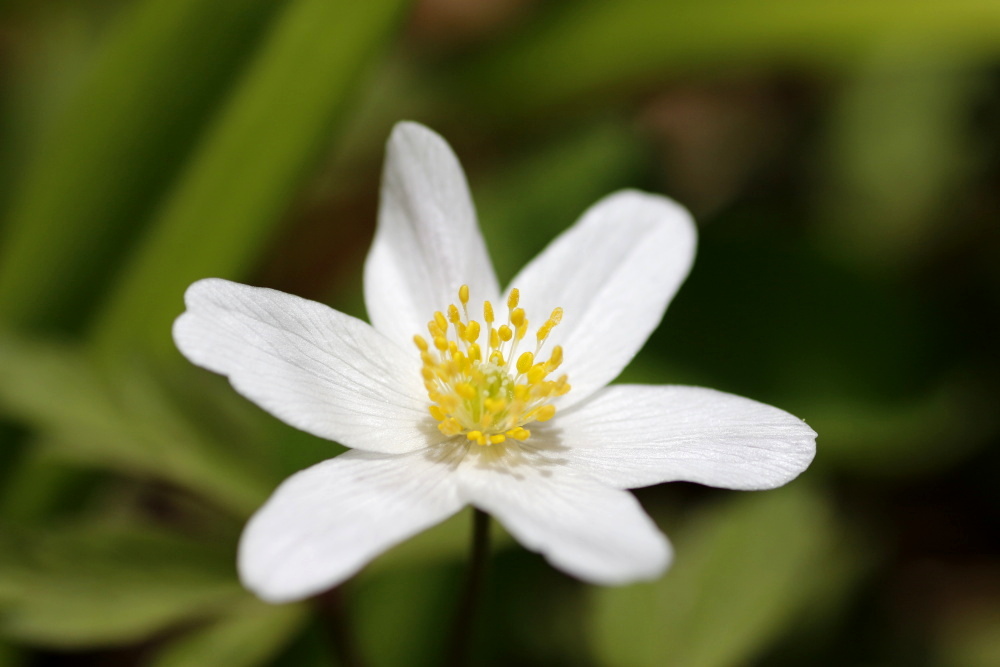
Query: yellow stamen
point(545, 413)
point(491, 401)
point(472, 332)
point(524, 362)
point(555, 359)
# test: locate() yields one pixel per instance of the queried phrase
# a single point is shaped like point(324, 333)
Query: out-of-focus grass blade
point(248, 169)
point(739, 576)
point(96, 584)
point(248, 635)
point(114, 148)
point(591, 46)
point(121, 421)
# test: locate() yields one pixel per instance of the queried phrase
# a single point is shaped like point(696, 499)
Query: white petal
point(584, 528)
point(325, 523)
point(427, 243)
point(630, 436)
point(317, 369)
point(613, 273)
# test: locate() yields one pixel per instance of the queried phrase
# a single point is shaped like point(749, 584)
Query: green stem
point(462, 630)
point(333, 607)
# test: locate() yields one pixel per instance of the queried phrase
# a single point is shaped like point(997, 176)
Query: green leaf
point(248, 169)
point(124, 421)
point(98, 584)
point(249, 635)
point(740, 575)
point(114, 148)
point(592, 47)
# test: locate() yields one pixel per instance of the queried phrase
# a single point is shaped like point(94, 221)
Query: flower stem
point(462, 629)
point(333, 607)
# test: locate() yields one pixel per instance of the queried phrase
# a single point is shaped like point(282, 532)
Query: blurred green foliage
point(840, 158)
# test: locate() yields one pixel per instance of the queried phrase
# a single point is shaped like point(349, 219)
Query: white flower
point(444, 408)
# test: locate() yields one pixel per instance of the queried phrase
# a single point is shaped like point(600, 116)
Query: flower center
point(489, 395)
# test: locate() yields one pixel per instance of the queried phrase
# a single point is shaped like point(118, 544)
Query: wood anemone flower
point(459, 394)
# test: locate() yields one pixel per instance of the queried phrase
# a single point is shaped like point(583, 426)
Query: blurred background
point(842, 159)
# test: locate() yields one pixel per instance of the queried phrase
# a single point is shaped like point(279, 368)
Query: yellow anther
point(524, 362)
point(519, 433)
point(555, 359)
point(472, 332)
point(545, 413)
point(488, 401)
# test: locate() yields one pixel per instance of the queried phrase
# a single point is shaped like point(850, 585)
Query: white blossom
point(457, 395)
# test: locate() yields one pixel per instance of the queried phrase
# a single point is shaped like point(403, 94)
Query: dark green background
point(841, 158)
